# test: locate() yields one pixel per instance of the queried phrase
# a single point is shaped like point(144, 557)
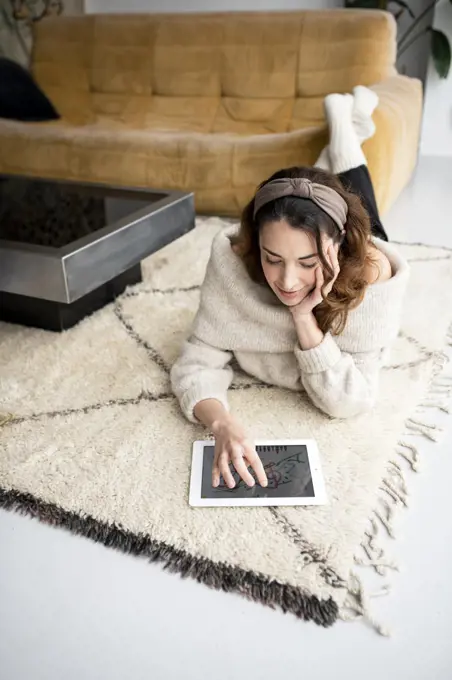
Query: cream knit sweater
point(239, 318)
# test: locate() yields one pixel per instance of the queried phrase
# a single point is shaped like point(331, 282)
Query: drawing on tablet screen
point(278, 472)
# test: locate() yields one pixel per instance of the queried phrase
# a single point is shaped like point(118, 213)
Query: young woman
point(306, 294)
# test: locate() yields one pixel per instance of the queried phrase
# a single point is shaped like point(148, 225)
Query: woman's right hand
point(233, 446)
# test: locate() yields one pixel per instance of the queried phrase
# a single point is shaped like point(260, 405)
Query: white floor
point(72, 609)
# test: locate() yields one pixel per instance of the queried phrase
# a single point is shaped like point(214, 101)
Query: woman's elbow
point(344, 411)
point(344, 407)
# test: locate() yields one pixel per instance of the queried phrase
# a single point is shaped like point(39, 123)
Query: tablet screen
point(288, 472)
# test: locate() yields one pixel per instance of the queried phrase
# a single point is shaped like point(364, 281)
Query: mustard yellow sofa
point(211, 103)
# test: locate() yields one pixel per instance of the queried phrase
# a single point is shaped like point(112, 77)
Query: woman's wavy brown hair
point(354, 256)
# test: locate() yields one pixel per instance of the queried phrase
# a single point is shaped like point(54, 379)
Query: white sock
point(345, 147)
point(323, 162)
point(365, 102)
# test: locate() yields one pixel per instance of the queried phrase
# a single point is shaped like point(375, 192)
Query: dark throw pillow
point(20, 96)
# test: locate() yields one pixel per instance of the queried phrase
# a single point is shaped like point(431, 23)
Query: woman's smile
point(289, 295)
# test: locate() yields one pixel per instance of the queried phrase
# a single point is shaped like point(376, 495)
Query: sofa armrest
point(392, 152)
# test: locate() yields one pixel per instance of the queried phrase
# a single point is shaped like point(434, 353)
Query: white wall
point(437, 126)
point(92, 6)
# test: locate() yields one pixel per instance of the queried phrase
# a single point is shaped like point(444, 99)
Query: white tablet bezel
point(320, 497)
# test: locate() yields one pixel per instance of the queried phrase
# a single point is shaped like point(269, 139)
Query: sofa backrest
point(251, 55)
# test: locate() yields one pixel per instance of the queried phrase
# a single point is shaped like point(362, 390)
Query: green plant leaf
point(441, 52)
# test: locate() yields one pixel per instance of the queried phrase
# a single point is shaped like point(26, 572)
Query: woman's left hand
point(315, 297)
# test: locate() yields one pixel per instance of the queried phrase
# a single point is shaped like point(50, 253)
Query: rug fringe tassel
point(439, 395)
point(357, 605)
point(427, 430)
point(410, 453)
point(433, 403)
point(380, 565)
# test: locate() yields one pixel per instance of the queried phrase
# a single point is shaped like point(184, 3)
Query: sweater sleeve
point(339, 383)
point(200, 372)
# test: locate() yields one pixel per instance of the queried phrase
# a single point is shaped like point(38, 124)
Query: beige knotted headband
point(326, 198)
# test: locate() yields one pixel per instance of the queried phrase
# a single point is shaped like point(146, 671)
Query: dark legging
point(358, 181)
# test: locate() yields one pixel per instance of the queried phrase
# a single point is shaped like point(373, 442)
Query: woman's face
point(289, 261)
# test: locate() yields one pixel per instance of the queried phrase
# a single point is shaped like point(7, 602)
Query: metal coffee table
point(67, 248)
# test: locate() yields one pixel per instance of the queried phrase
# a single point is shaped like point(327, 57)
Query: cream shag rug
point(96, 443)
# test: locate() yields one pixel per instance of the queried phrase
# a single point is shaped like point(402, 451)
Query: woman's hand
point(232, 445)
point(315, 297)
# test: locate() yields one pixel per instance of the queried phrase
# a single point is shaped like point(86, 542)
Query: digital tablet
point(293, 471)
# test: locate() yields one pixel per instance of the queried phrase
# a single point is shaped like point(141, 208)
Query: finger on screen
point(257, 466)
point(215, 474)
point(225, 471)
point(239, 464)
